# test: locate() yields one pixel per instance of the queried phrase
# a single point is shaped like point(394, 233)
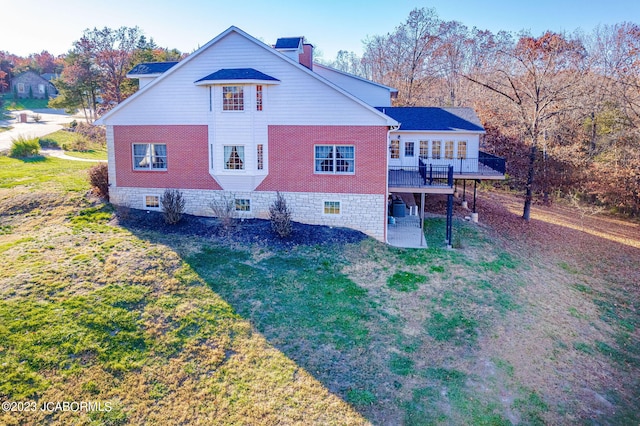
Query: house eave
point(236, 82)
point(473, 132)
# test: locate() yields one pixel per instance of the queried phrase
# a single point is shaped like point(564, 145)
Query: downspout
point(386, 183)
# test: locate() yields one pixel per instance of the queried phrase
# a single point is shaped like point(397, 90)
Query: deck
point(439, 178)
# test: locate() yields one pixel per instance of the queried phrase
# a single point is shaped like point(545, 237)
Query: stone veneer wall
point(364, 212)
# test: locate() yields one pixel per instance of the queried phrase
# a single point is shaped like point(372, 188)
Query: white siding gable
point(369, 92)
point(300, 98)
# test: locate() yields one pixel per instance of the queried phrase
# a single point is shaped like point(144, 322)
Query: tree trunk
point(594, 133)
point(526, 214)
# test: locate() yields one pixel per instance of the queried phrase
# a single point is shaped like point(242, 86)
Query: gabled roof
point(150, 68)
point(49, 76)
point(188, 59)
point(236, 74)
point(434, 118)
point(289, 43)
point(355, 77)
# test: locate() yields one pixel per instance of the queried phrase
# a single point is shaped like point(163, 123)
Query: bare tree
point(538, 78)
point(402, 59)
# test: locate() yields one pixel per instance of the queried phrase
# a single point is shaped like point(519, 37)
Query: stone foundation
point(363, 212)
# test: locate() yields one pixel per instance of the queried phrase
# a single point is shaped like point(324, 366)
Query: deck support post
point(422, 241)
point(449, 220)
point(475, 192)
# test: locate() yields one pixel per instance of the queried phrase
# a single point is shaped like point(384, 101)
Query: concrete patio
point(406, 233)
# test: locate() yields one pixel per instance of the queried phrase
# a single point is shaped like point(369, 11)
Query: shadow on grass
point(299, 299)
point(33, 159)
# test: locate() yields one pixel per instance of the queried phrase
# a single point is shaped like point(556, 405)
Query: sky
point(32, 26)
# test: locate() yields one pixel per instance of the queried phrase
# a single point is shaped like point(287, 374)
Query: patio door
point(409, 154)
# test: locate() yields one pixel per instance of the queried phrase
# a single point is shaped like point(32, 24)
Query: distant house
point(29, 84)
point(245, 120)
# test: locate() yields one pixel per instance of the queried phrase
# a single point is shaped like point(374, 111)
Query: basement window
point(152, 202)
point(331, 207)
point(243, 205)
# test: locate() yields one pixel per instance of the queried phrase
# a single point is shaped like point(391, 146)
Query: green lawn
point(173, 329)
point(68, 141)
point(21, 104)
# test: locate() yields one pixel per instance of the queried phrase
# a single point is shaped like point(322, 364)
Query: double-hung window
point(335, 159)
point(234, 157)
point(395, 148)
point(462, 149)
point(435, 150)
point(448, 150)
point(424, 149)
point(149, 156)
point(232, 98)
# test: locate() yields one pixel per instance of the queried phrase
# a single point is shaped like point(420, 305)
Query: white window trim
point(150, 168)
point(244, 99)
point(413, 151)
point(144, 202)
point(334, 148)
point(340, 207)
point(466, 149)
point(235, 200)
point(224, 169)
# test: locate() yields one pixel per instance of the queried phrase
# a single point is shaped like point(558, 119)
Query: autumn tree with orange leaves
point(539, 79)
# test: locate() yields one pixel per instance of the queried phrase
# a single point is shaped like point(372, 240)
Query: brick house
point(29, 84)
point(243, 120)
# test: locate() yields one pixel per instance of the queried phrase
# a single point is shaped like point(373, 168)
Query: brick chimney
point(306, 57)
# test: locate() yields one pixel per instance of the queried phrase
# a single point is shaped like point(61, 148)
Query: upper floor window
point(21, 88)
point(232, 98)
point(234, 157)
point(149, 156)
point(435, 150)
point(395, 148)
point(462, 149)
point(41, 88)
point(334, 159)
point(448, 150)
point(259, 97)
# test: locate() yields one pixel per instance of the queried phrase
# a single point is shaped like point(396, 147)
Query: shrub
point(36, 117)
point(91, 132)
point(99, 179)
point(280, 216)
point(48, 143)
point(22, 147)
point(172, 203)
point(79, 144)
point(224, 209)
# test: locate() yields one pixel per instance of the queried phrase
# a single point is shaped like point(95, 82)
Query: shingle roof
point(288, 43)
point(434, 118)
point(49, 76)
point(151, 68)
point(237, 74)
